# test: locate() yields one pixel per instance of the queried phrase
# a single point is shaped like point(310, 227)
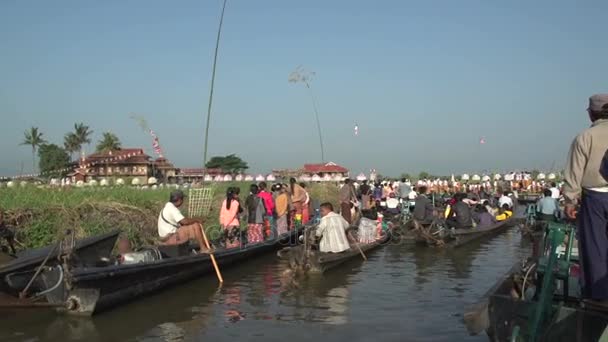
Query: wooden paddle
point(358, 247)
point(217, 269)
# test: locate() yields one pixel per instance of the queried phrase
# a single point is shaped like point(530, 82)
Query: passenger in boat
point(482, 217)
point(547, 207)
point(256, 211)
point(423, 209)
point(392, 205)
point(267, 197)
point(504, 213)
point(459, 215)
point(366, 195)
point(306, 206)
point(174, 228)
point(332, 231)
point(347, 198)
point(504, 199)
point(281, 209)
point(377, 194)
point(298, 197)
point(229, 219)
point(585, 185)
point(404, 190)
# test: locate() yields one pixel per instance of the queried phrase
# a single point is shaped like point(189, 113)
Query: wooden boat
point(436, 235)
point(314, 261)
point(90, 289)
point(549, 308)
point(86, 253)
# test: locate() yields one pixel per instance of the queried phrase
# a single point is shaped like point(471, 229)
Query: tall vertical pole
point(217, 46)
point(314, 106)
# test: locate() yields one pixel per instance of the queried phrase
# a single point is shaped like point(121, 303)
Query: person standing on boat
point(585, 185)
point(229, 219)
point(332, 231)
point(256, 211)
point(174, 228)
point(347, 197)
point(404, 190)
point(366, 195)
point(298, 197)
point(281, 209)
point(306, 205)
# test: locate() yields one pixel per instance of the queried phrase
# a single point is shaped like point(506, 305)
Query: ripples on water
point(402, 293)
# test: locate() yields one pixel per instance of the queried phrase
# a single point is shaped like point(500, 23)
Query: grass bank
point(42, 215)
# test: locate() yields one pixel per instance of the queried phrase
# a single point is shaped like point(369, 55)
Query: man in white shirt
point(174, 228)
point(332, 231)
point(554, 191)
point(504, 199)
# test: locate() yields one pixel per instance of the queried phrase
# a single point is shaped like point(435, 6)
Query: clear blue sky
point(423, 79)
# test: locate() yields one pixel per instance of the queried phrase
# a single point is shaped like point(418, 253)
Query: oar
point(217, 269)
point(358, 247)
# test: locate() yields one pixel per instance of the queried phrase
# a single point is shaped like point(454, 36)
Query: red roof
point(199, 171)
point(122, 156)
point(325, 168)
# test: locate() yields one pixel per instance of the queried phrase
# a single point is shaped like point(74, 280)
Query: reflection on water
point(402, 292)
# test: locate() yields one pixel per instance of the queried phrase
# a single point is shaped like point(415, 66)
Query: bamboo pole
point(217, 269)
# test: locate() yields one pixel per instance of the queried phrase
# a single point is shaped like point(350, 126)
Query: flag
point(156, 144)
point(482, 140)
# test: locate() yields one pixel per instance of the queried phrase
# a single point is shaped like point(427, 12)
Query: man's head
point(262, 186)
point(422, 190)
point(547, 193)
point(347, 181)
point(598, 107)
point(402, 180)
point(553, 185)
point(505, 206)
point(326, 208)
point(177, 198)
point(292, 181)
point(253, 189)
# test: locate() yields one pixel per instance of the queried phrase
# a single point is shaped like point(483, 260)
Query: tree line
point(55, 157)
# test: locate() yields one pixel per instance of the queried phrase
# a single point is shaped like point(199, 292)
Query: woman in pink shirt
point(229, 219)
point(267, 197)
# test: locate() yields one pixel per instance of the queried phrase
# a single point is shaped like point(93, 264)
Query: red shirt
point(268, 201)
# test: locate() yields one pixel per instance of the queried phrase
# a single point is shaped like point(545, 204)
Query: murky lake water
point(402, 293)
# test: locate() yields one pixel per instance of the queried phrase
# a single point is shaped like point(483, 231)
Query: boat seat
point(173, 251)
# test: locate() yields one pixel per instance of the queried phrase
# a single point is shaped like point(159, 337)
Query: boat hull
point(96, 289)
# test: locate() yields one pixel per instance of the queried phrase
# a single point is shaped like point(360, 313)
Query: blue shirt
point(547, 206)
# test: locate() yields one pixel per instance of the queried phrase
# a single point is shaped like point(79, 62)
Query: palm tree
point(71, 144)
point(108, 142)
point(82, 134)
point(33, 138)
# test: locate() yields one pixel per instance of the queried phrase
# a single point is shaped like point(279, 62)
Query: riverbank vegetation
point(42, 215)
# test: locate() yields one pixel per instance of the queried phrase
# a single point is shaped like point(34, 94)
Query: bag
point(260, 210)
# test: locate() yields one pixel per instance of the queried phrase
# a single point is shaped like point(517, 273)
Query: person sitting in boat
point(174, 228)
point(482, 217)
point(423, 208)
point(332, 231)
point(504, 199)
point(392, 205)
point(459, 215)
point(547, 207)
point(504, 213)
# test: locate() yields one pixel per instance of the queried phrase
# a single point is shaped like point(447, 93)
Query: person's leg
point(345, 211)
point(593, 245)
point(192, 232)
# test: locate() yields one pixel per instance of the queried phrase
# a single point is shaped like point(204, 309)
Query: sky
point(424, 80)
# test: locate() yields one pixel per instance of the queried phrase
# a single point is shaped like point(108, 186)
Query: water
point(402, 293)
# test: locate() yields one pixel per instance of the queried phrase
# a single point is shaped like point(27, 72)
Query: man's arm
point(575, 168)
